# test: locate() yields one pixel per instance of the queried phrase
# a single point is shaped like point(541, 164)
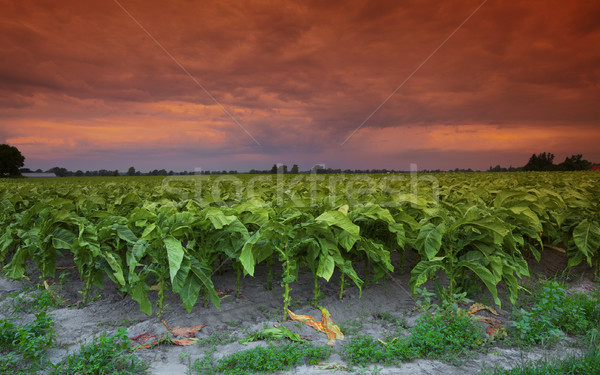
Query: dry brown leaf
point(480, 306)
point(184, 331)
point(326, 325)
point(184, 342)
point(486, 319)
point(496, 330)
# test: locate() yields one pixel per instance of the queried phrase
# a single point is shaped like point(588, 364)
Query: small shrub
point(105, 355)
point(444, 334)
point(554, 314)
point(586, 364)
point(264, 359)
point(448, 331)
point(23, 347)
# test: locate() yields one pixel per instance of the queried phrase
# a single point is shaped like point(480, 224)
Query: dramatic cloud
point(84, 86)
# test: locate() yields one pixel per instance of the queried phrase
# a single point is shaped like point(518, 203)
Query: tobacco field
point(172, 235)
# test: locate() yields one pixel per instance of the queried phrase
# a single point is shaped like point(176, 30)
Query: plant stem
point(161, 300)
point(342, 283)
point(270, 273)
point(286, 284)
point(88, 287)
point(316, 290)
point(238, 280)
point(367, 264)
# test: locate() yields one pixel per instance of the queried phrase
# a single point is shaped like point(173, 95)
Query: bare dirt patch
point(258, 308)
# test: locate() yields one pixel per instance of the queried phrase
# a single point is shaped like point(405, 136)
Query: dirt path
point(255, 310)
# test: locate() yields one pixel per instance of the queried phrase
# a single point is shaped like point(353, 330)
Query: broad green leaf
point(62, 239)
point(217, 217)
point(338, 219)
point(586, 237)
point(429, 239)
point(326, 266)
point(126, 234)
point(175, 254)
point(198, 279)
point(117, 271)
point(423, 271)
point(484, 275)
point(139, 293)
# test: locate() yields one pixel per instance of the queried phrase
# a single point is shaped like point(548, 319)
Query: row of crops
point(173, 234)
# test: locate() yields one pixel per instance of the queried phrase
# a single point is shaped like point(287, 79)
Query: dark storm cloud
point(298, 75)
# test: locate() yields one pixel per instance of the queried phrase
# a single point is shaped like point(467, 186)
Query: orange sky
point(83, 86)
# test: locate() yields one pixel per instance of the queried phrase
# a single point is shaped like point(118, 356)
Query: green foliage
point(274, 333)
point(445, 334)
point(32, 302)
point(554, 314)
point(11, 160)
point(264, 359)
point(218, 338)
point(361, 350)
point(584, 364)
point(23, 347)
point(107, 354)
point(171, 235)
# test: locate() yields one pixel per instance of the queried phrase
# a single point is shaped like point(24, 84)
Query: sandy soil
point(258, 308)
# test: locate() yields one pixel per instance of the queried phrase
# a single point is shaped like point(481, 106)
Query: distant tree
point(540, 162)
point(294, 169)
point(274, 169)
point(39, 170)
point(575, 163)
point(131, 171)
point(79, 173)
point(11, 160)
point(60, 172)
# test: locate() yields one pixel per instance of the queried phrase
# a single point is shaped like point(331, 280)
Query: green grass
point(105, 355)
point(267, 359)
point(585, 364)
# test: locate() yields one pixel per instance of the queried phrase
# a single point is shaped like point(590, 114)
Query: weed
point(218, 338)
point(233, 323)
point(588, 363)
point(425, 302)
point(23, 347)
point(554, 314)
point(444, 335)
point(351, 327)
point(33, 301)
point(106, 354)
point(263, 359)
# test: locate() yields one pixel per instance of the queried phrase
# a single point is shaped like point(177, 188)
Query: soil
point(258, 308)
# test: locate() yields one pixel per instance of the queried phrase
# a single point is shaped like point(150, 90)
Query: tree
point(575, 163)
point(60, 172)
point(131, 171)
point(540, 162)
point(294, 169)
point(274, 169)
point(11, 160)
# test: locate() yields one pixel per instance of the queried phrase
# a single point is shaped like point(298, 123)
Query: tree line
point(545, 162)
point(12, 161)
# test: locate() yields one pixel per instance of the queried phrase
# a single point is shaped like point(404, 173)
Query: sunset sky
point(104, 84)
